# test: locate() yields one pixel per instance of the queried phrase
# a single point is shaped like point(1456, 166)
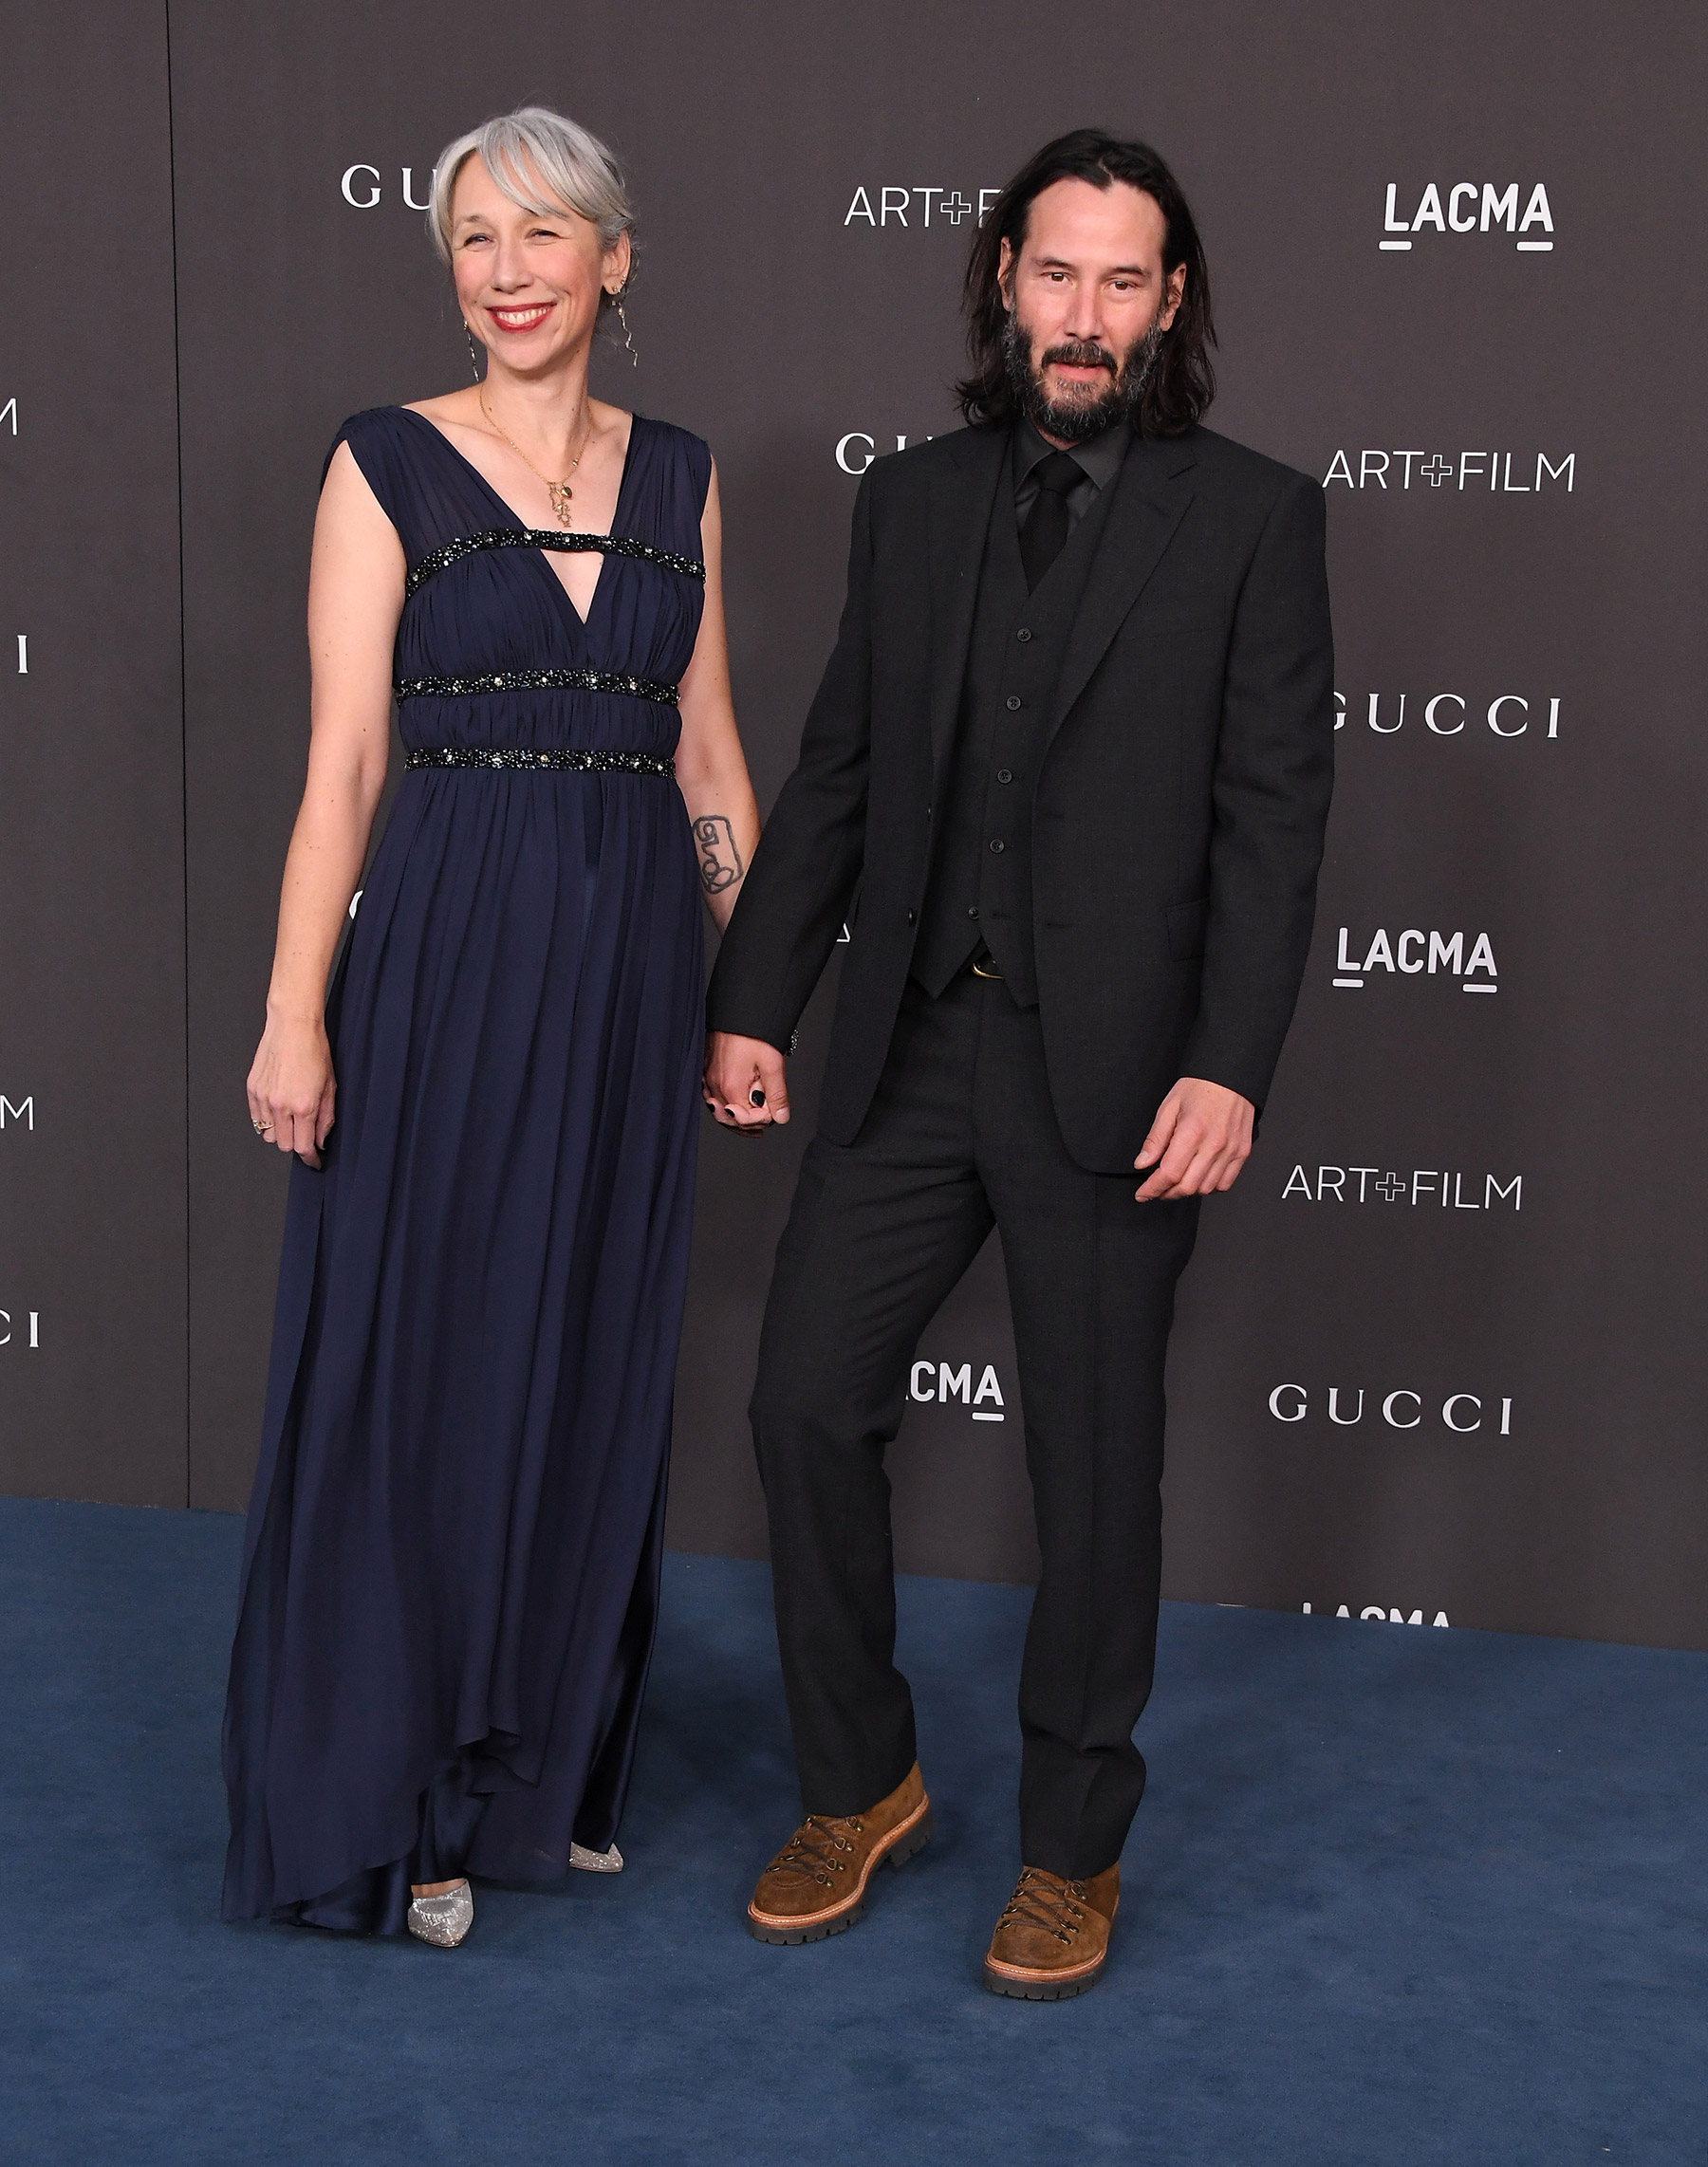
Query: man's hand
point(1200, 1138)
point(745, 1082)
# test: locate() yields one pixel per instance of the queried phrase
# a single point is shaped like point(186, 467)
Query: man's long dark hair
point(1182, 382)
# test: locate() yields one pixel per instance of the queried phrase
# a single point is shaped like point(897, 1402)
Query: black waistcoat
point(980, 885)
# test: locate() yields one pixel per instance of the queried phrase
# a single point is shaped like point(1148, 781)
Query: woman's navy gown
point(451, 1568)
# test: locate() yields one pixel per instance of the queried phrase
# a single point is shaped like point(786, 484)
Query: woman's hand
point(745, 1082)
point(292, 1087)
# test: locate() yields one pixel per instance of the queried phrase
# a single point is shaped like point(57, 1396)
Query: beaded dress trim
point(519, 756)
point(547, 538)
point(536, 681)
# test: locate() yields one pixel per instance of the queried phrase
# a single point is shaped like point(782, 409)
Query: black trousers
point(962, 1136)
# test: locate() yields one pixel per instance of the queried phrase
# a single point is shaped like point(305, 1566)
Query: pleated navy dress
point(450, 1576)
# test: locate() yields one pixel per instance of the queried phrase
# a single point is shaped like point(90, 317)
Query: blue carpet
point(1397, 1895)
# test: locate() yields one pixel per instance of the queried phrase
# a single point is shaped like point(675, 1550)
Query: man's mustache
point(1089, 356)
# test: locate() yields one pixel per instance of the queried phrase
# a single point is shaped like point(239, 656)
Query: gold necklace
point(560, 492)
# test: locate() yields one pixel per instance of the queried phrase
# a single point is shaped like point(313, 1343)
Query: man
point(1066, 778)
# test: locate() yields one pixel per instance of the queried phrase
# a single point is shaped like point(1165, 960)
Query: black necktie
point(1045, 533)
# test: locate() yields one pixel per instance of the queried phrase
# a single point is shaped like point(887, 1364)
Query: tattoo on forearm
point(720, 862)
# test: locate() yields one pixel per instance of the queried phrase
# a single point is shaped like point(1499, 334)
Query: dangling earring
point(474, 353)
point(628, 337)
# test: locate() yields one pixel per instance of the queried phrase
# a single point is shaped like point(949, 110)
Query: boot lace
point(819, 1847)
point(1040, 1899)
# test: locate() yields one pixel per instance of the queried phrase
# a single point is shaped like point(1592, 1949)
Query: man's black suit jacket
point(1179, 808)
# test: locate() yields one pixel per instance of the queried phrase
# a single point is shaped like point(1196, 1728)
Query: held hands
point(1200, 1138)
point(292, 1087)
point(745, 1082)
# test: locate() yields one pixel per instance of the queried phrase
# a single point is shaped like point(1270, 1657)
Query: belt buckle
point(979, 971)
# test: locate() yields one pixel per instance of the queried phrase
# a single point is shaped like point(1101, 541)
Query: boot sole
point(1040, 1989)
point(907, 1845)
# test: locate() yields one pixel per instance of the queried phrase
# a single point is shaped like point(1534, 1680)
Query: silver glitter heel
point(596, 1861)
point(443, 1921)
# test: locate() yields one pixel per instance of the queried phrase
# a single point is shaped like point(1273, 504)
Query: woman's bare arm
point(355, 598)
point(711, 768)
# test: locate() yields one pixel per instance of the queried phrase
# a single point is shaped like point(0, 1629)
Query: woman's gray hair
point(543, 162)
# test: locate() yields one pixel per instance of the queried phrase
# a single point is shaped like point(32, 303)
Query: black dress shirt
point(1100, 459)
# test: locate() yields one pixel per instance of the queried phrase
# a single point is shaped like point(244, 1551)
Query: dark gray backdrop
point(1473, 1216)
point(92, 1118)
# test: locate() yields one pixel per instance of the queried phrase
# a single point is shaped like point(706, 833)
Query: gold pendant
point(561, 494)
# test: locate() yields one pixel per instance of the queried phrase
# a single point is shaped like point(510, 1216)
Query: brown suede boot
point(817, 1883)
point(1052, 1940)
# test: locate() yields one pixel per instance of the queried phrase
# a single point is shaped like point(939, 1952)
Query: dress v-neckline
point(522, 526)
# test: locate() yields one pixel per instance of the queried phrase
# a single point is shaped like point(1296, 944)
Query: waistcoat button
point(1005, 774)
point(1014, 701)
point(1023, 633)
point(997, 846)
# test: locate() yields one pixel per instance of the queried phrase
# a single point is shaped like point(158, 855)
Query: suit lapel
point(959, 517)
point(1151, 494)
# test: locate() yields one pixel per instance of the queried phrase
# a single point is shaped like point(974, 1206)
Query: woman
point(452, 1557)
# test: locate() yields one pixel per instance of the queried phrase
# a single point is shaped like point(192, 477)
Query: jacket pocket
point(1186, 929)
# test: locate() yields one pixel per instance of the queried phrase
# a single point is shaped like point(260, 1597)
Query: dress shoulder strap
point(665, 491)
point(693, 454)
point(427, 498)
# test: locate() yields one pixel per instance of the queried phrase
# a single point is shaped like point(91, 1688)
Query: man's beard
point(1078, 417)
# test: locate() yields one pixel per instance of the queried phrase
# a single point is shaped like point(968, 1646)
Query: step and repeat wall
point(1440, 1358)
